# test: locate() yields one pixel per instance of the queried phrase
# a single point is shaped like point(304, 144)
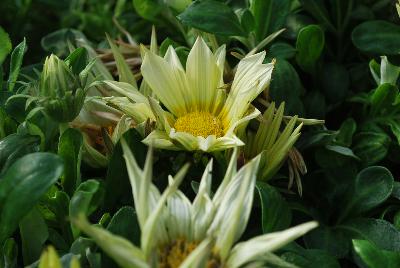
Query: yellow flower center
point(201, 124)
point(175, 253)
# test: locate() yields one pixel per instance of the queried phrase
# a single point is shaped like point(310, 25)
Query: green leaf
point(335, 82)
point(15, 64)
point(70, 149)
point(22, 185)
point(15, 146)
point(318, 10)
point(117, 182)
point(58, 42)
point(77, 60)
point(383, 98)
point(315, 104)
point(371, 147)
point(34, 234)
point(310, 43)
point(6, 45)
point(247, 21)
point(346, 132)
point(286, 87)
point(85, 200)
point(372, 187)
point(148, 9)
point(380, 232)
point(269, 16)
point(374, 257)
point(378, 37)
point(281, 50)
point(9, 252)
point(213, 17)
point(276, 214)
point(329, 239)
point(124, 71)
point(309, 258)
point(124, 223)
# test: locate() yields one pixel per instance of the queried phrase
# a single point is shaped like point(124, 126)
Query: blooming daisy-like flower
point(200, 114)
point(176, 232)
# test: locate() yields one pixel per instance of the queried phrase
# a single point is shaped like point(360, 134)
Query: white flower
point(176, 232)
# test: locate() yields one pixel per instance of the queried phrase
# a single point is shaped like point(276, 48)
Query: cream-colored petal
point(254, 248)
point(211, 143)
point(124, 124)
point(251, 78)
point(160, 139)
point(203, 75)
point(242, 121)
point(172, 58)
point(220, 56)
point(139, 112)
point(235, 207)
point(126, 90)
point(120, 249)
point(150, 236)
point(167, 82)
point(186, 140)
point(179, 220)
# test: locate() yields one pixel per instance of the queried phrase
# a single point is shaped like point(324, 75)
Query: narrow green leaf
point(269, 16)
point(70, 149)
point(15, 64)
point(124, 72)
point(6, 46)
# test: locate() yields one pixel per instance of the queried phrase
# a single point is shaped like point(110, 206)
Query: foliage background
point(323, 67)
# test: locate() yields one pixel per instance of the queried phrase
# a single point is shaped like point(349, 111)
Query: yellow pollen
point(201, 124)
point(174, 254)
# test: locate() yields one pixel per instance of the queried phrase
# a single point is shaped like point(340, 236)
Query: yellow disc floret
point(173, 255)
point(201, 124)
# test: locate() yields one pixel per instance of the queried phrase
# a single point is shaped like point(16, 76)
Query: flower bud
point(61, 91)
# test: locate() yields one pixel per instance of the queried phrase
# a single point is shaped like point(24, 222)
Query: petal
point(127, 90)
point(179, 220)
point(242, 121)
point(198, 257)
point(220, 56)
point(167, 82)
point(160, 139)
point(212, 144)
point(251, 78)
point(235, 207)
point(124, 124)
point(118, 248)
point(203, 75)
point(254, 248)
point(139, 112)
point(150, 234)
point(186, 140)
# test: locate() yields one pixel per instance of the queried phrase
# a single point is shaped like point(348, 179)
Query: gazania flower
point(200, 115)
point(176, 232)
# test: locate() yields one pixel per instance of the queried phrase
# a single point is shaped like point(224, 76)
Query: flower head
point(200, 114)
point(176, 232)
